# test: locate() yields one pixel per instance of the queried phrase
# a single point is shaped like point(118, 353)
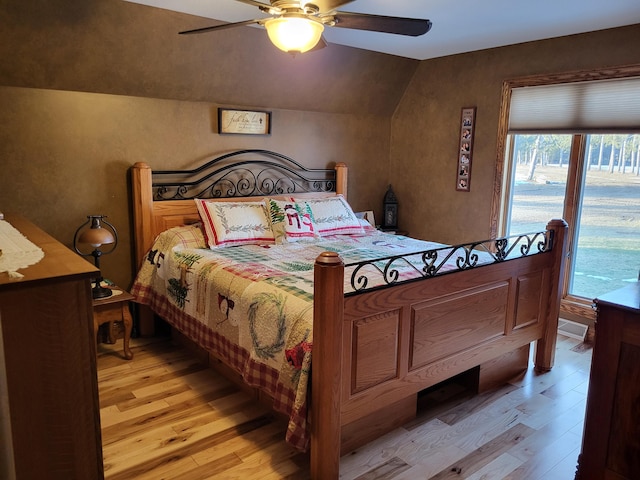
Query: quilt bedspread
point(253, 306)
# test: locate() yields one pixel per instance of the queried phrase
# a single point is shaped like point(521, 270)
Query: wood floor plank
point(498, 468)
point(439, 400)
point(375, 453)
point(567, 467)
point(551, 432)
point(474, 404)
point(150, 357)
point(112, 416)
point(121, 391)
point(160, 468)
point(181, 389)
point(166, 415)
point(489, 428)
point(153, 446)
point(387, 471)
point(542, 410)
point(570, 382)
point(210, 470)
point(547, 458)
point(432, 462)
point(243, 446)
point(432, 437)
point(467, 434)
point(132, 451)
point(270, 462)
point(154, 410)
point(486, 454)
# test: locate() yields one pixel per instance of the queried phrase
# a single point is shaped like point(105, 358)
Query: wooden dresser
point(611, 442)
point(49, 410)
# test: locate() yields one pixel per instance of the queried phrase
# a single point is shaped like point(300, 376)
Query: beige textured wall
point(89, 87)
point(425, 127)
point(66, 155)
point(112, 46)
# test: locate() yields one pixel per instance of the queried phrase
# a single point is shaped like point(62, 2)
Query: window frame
point(571, 307)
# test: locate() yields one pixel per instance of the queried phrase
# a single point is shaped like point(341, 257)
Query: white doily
point(16, 251)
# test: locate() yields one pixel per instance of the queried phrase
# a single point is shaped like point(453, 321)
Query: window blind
point(578, 107)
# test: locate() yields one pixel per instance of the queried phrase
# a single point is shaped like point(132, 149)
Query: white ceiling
point(458, 26)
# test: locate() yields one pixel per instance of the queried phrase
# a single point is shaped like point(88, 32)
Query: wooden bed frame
point(374, 351)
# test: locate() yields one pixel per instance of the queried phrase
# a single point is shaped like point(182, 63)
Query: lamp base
point(100, 292)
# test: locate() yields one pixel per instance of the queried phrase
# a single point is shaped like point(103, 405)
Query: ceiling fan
point(296, 26)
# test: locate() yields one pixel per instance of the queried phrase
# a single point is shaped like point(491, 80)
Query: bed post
point(341, 178)
point(546, 346)
point(142, 209)
point(326, 380)
point(141, 186)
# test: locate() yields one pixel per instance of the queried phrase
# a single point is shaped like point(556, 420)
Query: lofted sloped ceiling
point(458, 27)
point(118, 47)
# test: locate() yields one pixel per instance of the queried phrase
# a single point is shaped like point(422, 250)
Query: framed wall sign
point(244, 122)
point(465, 148)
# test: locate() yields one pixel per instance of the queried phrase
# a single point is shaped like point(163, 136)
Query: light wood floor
point(167, 416)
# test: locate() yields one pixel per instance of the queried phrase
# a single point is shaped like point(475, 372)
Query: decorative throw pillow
point(333, 216)
point(235, 223)
point(291, 221)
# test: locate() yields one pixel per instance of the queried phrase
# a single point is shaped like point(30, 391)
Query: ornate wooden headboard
point(164, 199)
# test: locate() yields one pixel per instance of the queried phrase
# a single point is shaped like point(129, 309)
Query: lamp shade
point(95, 235)
point(293, 33)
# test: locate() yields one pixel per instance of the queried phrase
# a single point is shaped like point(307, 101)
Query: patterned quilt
point(252, 305)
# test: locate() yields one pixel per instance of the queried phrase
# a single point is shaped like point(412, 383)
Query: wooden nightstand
point(114, 309)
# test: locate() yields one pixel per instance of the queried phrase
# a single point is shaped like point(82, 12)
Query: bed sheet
point(253, 305)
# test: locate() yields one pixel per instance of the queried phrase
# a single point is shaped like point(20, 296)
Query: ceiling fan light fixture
point(296, 34)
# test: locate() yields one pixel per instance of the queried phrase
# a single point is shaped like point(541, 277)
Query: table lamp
point(96, 231)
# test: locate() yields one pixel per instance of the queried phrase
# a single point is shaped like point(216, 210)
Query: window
point(569, 147)
point(606, 223)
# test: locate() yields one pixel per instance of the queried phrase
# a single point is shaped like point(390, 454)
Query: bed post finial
point(342, 172)
point(326, 380)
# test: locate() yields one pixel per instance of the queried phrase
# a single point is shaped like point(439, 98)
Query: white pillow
point(291, 221)
point(366, 226)
point(333, 216)
point(235, 223)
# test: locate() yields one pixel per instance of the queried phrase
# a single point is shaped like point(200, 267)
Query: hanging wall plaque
point(245, 122)
point(465, 148)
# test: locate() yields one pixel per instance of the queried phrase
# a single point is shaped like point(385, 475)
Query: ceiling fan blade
point(219, 27)
point(413, 27)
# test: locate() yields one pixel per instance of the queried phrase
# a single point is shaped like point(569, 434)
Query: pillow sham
point(333, 216)
point(235, 223)
point(291, 221)
point(366, 226)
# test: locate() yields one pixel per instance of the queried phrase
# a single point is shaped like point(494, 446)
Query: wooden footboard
point(400, 340)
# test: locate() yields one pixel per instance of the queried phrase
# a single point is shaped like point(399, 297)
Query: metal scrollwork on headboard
point(242, 173)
